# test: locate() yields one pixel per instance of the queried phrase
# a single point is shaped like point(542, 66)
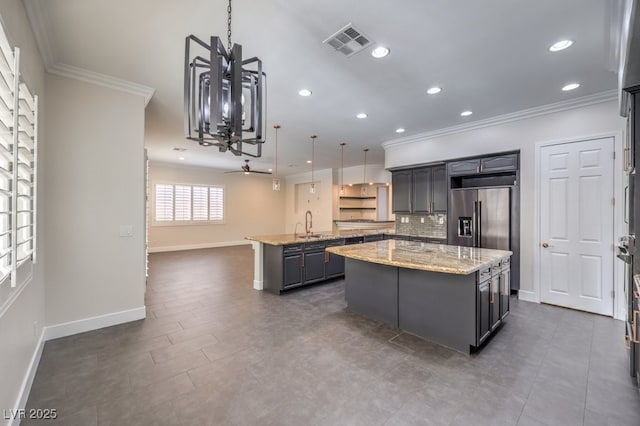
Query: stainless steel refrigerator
point(481, 217)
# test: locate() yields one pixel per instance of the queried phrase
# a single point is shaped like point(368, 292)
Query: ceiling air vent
point(179, 149)
point(348, 40)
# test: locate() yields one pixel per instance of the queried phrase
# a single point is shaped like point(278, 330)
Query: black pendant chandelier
point(224, 96)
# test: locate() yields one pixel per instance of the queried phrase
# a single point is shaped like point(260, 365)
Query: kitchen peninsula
point(452, 295)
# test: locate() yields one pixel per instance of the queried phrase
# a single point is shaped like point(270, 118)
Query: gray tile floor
point(214, 351)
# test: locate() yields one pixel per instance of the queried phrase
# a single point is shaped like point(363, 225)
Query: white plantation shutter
point(18, 161)
point(188, 204)
point(164, 203)
point(182, 207)
point(200, 203)
point(216, 203)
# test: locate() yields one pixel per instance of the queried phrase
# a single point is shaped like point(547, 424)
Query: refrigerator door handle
point(474, 224)
point(478, 224)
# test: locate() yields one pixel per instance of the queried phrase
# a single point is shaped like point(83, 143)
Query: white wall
point(517, 135)
point(375, 173)
point(251, 208)
point(323, 204)
point(95, 177)
point(22, 310)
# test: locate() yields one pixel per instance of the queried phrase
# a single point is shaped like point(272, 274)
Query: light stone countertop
point(423, 256)
point(283, 239)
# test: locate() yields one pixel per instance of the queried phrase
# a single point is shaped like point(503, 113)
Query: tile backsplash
point(431, 225)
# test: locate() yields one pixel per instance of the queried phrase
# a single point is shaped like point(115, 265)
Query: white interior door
point(576, 225)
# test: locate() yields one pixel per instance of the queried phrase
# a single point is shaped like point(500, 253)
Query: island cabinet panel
point(372, 291)
point(334, 264)
point(483, 304)
point(292, 270)
point(431, 305)
point(313, 267)
point(505, 291)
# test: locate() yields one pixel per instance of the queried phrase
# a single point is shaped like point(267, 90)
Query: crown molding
point(104, 80)
point(508, 118)
point(38, 16)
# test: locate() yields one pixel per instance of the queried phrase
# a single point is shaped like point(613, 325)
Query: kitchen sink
point(310, 236)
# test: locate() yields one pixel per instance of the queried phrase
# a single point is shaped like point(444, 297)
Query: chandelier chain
point(229, 26)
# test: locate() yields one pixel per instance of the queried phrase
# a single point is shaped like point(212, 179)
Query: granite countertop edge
point(285, 239)
point(427, 257)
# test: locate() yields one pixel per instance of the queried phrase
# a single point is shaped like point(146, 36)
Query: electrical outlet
point(441, 220)
point(422, 220)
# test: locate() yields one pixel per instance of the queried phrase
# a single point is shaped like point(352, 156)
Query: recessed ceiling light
point(571, 86)
point(466, 113)
point(308, 161)
point(434, 90)
point(362, 115)
point(380, 52)
point(304, 92)
point(561, 45)
point(181, 158)
point(400, 130)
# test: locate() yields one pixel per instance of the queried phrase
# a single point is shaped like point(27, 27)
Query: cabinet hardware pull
point(627, 345)
point(302, 265)
point(504, 284)
point(634, 326)
point(326, 257)
point(492, 299)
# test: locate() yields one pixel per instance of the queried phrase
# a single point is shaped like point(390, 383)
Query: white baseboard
point(95, 323)
point(198, 246)
point(528, 296)
point(258, 285)
point(25, 389)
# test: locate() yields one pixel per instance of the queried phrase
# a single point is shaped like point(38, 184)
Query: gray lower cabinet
point(295, 265)
point(334, 264)
point(492, 298)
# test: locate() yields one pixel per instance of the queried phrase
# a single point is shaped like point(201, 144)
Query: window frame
point(190, 222)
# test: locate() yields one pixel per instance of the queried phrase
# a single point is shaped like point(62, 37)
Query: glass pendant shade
point(276, 184)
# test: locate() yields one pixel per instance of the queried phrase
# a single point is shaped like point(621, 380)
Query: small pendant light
point(342, 144)
point(312, 188)
point(363, 190)
point(276, 179)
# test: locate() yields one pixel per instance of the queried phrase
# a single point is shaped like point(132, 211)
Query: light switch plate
point(126, 231)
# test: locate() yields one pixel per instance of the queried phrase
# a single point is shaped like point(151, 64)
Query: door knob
point(545, 245)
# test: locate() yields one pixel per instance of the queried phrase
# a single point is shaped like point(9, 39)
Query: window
point(18, 147)
point(188, 204)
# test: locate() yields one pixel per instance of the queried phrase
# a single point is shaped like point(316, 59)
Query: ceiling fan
point(246, 169)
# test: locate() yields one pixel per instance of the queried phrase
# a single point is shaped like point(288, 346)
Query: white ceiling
point(489, 56)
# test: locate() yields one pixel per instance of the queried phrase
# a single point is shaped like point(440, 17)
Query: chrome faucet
point(308, 222)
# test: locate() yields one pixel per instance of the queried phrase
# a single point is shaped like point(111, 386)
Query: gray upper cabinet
point(422, 190)
point(492, 164)
point(439, 188)
point(464, 167)
point(402, 181)
point(500, 163)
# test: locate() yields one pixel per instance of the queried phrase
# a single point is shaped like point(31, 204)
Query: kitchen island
point(452, 295)
point(283, 262)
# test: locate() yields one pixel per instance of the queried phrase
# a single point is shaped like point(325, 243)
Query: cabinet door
point(483, 305)
point(464, 167)
point(500, 163)
point(422, 190)
point(439, 188)
point(505, 291)
point(401, 187)
point(495, 301)
point(313, 267)
point(292, 270)
point(334, 265)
